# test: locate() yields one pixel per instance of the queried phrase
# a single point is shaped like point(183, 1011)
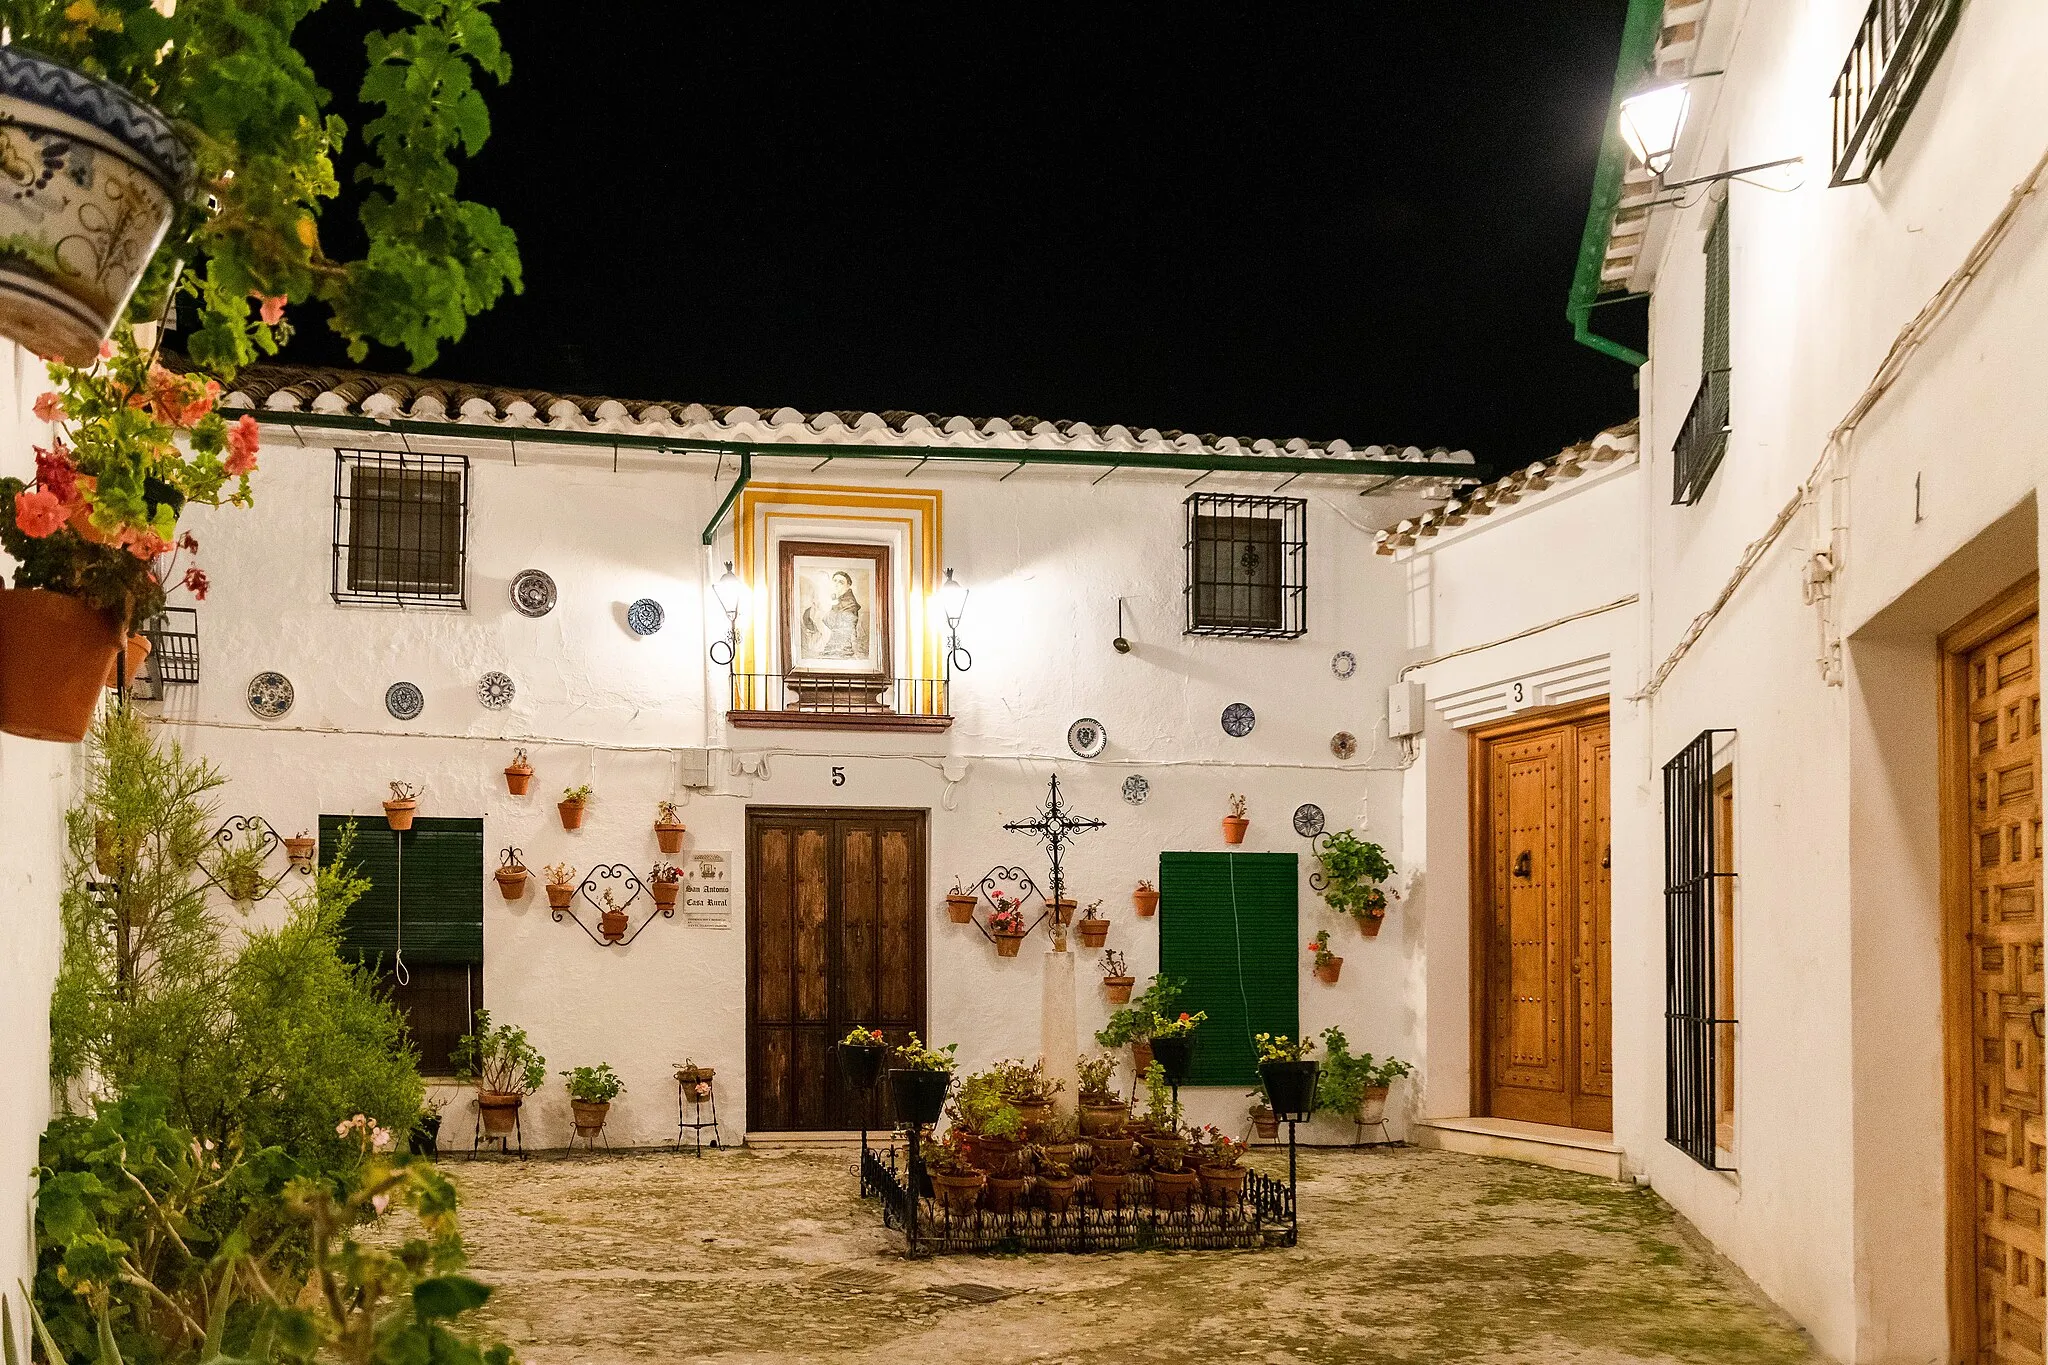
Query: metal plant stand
point(696, 1123)
point(504, 1140)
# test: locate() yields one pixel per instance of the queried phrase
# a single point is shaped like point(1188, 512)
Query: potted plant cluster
point(1237, 822)
point(511, 875)
point(591, 1092)
point(519, 774)
point(668, 827)
point(1354, 872)
point(1030, 1091)
point(992, 1136)
point(1006, 926)
point(504, 1067)
point(861, 1053)
point(696, 1081)
point(666, 882)
point(1133, 1025)
point(960, 904)
point(1145, 900)
point(1116, 977)
point(574, 799)
point(918, 1081)
point(1327, 964)
point(561, 885)
point(1093, 926)
point(299, 850)
point(1355, 1086)
point(403, 805)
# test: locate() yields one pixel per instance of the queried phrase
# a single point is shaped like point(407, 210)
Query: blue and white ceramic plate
point(270, 695)
point(1238, 720)
point(1344, 663)
point(1086, 737)
point(645, 616)
point(1136, 789)
point(404, 701)
point(495, 690)
point(533, 593)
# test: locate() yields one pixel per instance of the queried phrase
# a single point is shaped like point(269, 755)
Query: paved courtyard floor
point(1407, 1257)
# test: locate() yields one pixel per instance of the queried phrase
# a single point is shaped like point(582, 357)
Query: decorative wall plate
point(533, 593)
point(1238, 720)
point(1344, 663)
point(1344, 744)
point(1086, 737)
point(1308, 821)
point(645, 616)
point(404, 700)
point(1136, 789)
point(270, 694)
point(495, 690)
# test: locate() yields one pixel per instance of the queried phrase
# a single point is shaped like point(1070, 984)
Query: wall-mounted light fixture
point(730, 592)
point(952, 597)
point(1652, 119)
point(1120, 644)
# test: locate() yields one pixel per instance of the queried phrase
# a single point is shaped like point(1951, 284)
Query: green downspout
point(1638, 46)
point(738, 486)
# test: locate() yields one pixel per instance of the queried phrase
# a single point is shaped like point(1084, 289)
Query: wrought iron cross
point(1055, 827)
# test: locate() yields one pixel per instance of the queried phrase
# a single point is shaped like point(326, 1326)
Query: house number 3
point(1518, 692)
point(838, 777)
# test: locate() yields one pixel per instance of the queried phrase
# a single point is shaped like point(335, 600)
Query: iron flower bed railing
point(1896, 49)
point(1263, 1217)
point(1702, 441)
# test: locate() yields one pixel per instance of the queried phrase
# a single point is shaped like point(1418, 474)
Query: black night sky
point(1352, 221)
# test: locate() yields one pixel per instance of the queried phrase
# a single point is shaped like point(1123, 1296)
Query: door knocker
point(1522, 864)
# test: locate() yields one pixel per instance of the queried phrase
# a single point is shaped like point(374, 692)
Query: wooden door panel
point(769, 890)
point(901, 910)
point(1593, 963)
point(857, 937)
point(813, 948)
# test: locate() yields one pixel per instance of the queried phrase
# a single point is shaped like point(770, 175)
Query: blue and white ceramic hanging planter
point(92, 179)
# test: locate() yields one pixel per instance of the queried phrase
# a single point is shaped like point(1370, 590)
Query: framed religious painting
point(836, 630)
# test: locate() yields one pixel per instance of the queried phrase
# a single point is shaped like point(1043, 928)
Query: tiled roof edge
point(1615, 443)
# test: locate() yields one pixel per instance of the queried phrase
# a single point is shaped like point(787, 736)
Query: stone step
point(878, 1138)
point(1538, 1144)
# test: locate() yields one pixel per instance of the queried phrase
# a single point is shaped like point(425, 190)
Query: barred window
point(1247, 565)
point(400, 527)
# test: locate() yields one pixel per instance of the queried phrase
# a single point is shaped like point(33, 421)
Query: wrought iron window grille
point(1897, 47)
point(1692, 1100)
point(400, 529)
point(173, 636)
point(1247, 566)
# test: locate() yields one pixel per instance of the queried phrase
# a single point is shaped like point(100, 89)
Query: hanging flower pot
point(1117, 989)
point(860, 1064)
point(1062, 909)
point(402, 806)
point(138, 655)
point(299, 850)
point(1141, 1055)
point(664, 893)
point(1266, 1122)
point(1369, 924)
point(612, 923)
point(519, 774)
point(695, 1082)
point(96, 177)
point(561, 885)
point(1174, 1053)
point(1008, 942)
point(571, 806)
point(960, 907)
point(1145, 900)
point(1237, 822)
point(1093, 933)
point(917, 1096)
point(1329, 969)
point(668, 829)
point(1291, 1086)
point(55, 652)
point(512, 880)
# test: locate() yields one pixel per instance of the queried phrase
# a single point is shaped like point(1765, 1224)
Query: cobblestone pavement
point(1407, 1257)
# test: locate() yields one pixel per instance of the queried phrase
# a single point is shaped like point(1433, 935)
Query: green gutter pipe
point(1125, 459)
point(1638, 47)
point(738, 486)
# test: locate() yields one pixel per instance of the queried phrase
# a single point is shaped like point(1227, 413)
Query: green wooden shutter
point(1227, 926)
point(1714, 352)
point(443, 904)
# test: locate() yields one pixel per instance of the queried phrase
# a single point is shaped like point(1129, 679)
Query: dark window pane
point(399, 525)
point(1238, 572)
point(438, 1000)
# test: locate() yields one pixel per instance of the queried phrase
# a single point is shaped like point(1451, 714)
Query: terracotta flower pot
point(572, 814)
point(1008, 944)
point(1002, 1192)
point(500, 1111)
point(1062, 909)
point(243, 883)
point(670, 837)
point(1108, 1188)
point(1145, 900)
point(560, 896)
point(1100, 1119)
point(960, 909)
point(613, 925)
point(1234, 827)
point(996, 1155)
point(299, 850)
point(589, 1116)
point(1369, 925)
point(398, 814)
point(138, 655)
point(1266, 1123)
point(519, 779)
point(1173, 1191)
point(105, 174)
point(54, 655)
point(1330, 971)
point(1118, 988)
point(1223, 1186)
point(1034, 1113)
point(1372, 1105)
point(957, 1194)
point(1113, 1151)
point(665, 894)
point(1141, 1055)
point(511, 882)
point(1167, 1152)
point(1057, 1194)
point(1092, 932)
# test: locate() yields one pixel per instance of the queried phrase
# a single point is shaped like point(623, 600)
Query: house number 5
point(838, 777)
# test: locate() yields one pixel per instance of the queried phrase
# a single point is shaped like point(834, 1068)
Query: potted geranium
point(1217, 1155)
point(511, 875)
point(519, 774)
point(591, 1092)
point(1093, 926)
point(1101, 1110)
point(1145, 900)
point(1237, 822)
point(574, 799)
point(956, 1181)
point(1355, 1085)
point(403, 805)
point(1173, 1042)
point(299, 849)
point(504, 1067)
point(918, 1082)
point(1327, 964)
point(666, 881)
point(561, 885)
point(668, 827)
point(1287, 1078)
point(1030, 1090)
point(1006, 926)
point(960, 904)
point(861, 1053)
point(695, 1081)
point(1353, 871)
point(1116, 977)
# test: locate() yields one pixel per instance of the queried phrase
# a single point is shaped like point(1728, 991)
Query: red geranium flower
point(38, 512)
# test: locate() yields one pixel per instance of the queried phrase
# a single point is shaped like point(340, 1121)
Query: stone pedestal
point(1060, 1040)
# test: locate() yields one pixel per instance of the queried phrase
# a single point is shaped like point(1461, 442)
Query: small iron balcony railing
point(825, 701)
point(1701, 441)
point(1895, 51)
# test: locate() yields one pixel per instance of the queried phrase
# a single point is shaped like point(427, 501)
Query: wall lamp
point(952, 597)
point(1651, 120)
point(730, 592)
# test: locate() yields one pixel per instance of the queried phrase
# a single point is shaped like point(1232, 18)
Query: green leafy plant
point(1180, 1025)
point(497, 1057)
point(1214, 1147)
point(1096, 1074)
point(980, 1107)
point(1026, 1083)
point(1144, 1016)
point(581, 793)
point(915, 1056)
point(1158, 1097)
point(948, 1157)
point(1320, 946)
point(239, 870)
point(594, 1084)
point(1281, 1048)
point(862, 1037)
point(1346, 1077)
point(1353, 871)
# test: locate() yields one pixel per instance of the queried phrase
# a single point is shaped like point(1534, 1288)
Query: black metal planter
point(1290, 1087)
point(917, 1098)
point(861, 1066)
point(1174, 1056)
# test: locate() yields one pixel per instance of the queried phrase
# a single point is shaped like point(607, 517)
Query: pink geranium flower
point(243, 439)
point(38, 512)
point(106, 350)
point(272, 311)
point(49, 407)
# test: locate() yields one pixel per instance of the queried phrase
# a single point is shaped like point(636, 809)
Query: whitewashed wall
point(37, 783)
point(1837, 1208)
point(1045, 555)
